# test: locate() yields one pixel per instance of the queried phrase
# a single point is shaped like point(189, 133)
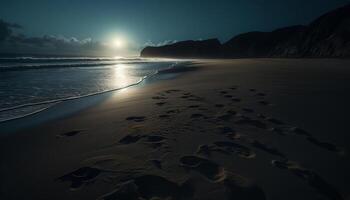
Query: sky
point(126, 26)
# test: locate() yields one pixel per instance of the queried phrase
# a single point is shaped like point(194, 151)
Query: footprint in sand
point(227, 115)
point(164, 116)
point(172, 91)
point(275, 121)
point(136, 118)
point(81, 177)
point(234, 136)
point(219, 105)
point(225, 130)
point(197, 115)
point(277, 130)
point(266, 148)
point(226, 147)
point(154, 138)
point(229, 132)
point(204, 149)
point(313, 179)
point(154, 141)
point(156, 163)
point(161, 103)
point(239, 187)
point(205, 167)
point(261, 116)
point(299, 131)
point(173, 111)
point(252, 122)
point(161, 94)
point(264, 103)
point(129, 139)
point(224, 117)
point(249, 110)
point(286, 130)
point(194, 106)
point(261, 94)
point(186, 96)
point(232, 112)
point(235, 99)
point(190, 97)
point(70, 133)
point(324, 145)
point(231, 147)
point(159, 97)
point(150, 187)
point(195, 98)
point(230, 185)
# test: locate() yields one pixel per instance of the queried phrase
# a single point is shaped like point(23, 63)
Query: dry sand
point(226, 129)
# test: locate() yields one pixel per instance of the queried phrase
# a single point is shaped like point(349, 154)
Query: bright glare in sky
point(118, 43)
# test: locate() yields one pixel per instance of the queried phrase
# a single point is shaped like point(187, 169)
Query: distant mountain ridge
point(327, 36)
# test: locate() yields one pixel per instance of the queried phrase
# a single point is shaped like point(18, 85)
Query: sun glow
point(118, 43)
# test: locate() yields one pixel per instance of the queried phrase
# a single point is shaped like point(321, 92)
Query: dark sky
point(157, 21)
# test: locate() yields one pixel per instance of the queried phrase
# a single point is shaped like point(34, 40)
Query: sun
point(118, 43)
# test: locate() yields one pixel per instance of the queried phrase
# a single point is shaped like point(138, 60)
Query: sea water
point(32, 84)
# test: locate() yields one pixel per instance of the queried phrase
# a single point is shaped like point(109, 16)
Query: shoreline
point(172, 119)
point(40, 115)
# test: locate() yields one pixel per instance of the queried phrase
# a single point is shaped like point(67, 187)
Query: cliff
point(185, 49)
point(327, 36)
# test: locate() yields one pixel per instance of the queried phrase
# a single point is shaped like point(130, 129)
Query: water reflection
point(121, 77)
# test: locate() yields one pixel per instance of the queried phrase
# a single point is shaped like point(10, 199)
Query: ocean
point(29, 85)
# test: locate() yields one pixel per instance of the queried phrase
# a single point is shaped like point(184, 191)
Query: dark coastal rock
point(185, 49)
point(327, 36)
point(281, 42)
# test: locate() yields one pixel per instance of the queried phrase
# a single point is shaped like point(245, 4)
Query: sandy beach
point(221, 129)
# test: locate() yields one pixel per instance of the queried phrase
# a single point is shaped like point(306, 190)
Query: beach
point(220, 129)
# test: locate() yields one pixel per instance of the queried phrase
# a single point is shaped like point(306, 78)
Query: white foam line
point(31, 113)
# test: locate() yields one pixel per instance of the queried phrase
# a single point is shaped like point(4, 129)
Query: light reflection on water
point(121, 77)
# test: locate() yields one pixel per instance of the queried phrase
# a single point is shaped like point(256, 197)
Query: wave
point(71, 62)
point(56, 101)
point(64, 59)
point(63, 65)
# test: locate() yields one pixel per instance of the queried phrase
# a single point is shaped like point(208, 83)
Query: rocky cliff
point(327, 36)
point(185, 49)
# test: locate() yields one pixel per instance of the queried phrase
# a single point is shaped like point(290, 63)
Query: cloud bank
point(12, 42)
point(6, 30)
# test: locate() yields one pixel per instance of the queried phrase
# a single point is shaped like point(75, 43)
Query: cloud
point(50, 44)
point(51, 41)
point(6, 29)
point(166, 42)
point(11, 42)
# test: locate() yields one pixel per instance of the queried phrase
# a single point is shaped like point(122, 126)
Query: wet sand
point(223, 129)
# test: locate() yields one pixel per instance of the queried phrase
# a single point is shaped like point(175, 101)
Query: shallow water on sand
point(30, 85)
